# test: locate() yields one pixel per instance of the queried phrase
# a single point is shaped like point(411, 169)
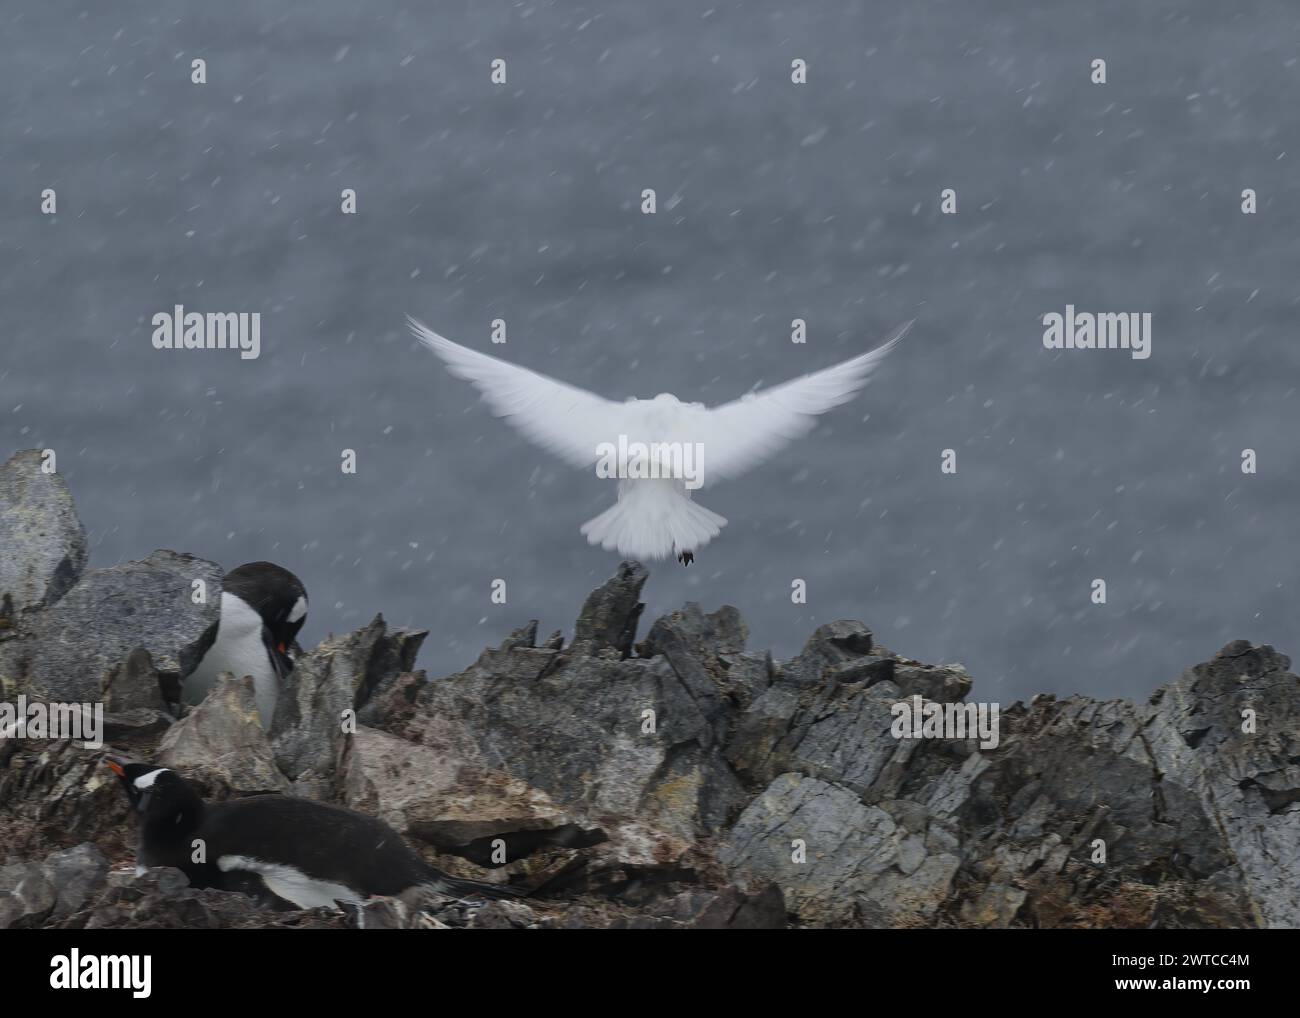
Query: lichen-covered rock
point(221, 745)
point(57, 794)
point(632, 738)
point(454, 806)
point(1228, 731)
point(838, 860)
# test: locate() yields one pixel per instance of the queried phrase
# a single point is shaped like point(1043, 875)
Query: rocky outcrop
point(344, 681)
point(121, 635)
point(682, 781)
point(32, 893)
point(44, 541)
point(220, 746)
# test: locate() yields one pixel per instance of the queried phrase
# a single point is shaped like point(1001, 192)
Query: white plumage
point(655, 517)
point(240, 650)
point(291, 884)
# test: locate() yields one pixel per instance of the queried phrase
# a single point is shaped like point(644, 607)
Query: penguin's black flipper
point(469, 889)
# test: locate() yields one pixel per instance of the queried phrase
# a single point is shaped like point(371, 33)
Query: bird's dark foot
point(686, 557)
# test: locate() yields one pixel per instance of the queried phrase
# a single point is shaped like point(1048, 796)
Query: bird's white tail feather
point(653, 519)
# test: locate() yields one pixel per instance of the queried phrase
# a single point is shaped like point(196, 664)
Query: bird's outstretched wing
point(741, 434)
point(572, 423)
point(562, 419)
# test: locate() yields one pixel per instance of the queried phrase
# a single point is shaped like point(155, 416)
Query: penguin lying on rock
point(306, 853)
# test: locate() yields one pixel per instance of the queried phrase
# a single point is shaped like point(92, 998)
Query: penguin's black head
point(276, 595)
point(155, 792)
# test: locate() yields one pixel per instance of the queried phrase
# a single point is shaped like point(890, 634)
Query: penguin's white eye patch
point(299, 609)
point(146, 780)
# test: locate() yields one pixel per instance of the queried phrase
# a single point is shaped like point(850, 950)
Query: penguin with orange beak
point(279, 848)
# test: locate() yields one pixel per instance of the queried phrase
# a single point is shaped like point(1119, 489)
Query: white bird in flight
point(659, 449)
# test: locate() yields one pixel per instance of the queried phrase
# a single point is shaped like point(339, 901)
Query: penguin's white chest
point(238, 649)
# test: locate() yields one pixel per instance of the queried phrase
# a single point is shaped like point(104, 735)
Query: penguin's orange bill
point(282, 650)
point(116, 768)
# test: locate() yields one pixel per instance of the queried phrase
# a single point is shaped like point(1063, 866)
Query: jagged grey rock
point(27, 895)
point(329, 687)
point(1228, 731)
point(729, 908)
point(685, 781)
point(503, 915)
point(221, 746)
point(43, 540)
point(830, 646)
point(135, 684)
point(1192, 794)
point(161, 899)
point(57, 793)
point(76, 873)
point(607, 623)
point(832, 854)
point(32, 893)
point(78, 648)
point(438, 799)
point(581, 733)
point(135, 723)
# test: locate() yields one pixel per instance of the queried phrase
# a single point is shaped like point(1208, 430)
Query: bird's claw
point(686, 557)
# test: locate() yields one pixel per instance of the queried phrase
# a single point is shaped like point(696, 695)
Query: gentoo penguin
point(277, 847)
point(262, 608)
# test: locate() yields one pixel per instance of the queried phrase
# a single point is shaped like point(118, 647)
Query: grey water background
point(776, 202)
